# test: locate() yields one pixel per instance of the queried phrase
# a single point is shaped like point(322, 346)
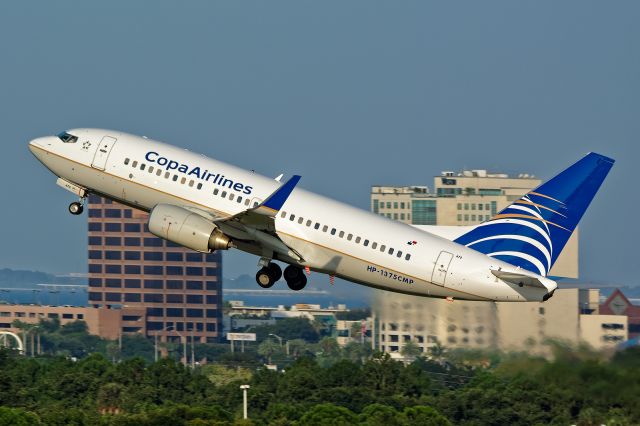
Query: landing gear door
point(102, 153)
point(441, 267)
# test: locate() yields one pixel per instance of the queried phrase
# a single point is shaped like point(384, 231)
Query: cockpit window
point(67, 138)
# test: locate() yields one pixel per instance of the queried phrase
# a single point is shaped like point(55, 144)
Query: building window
point(152, 255)
point(95, 227)
point(194, 313)
point(212, 285)
point(194, 271)
point(194, 285)
point(132, 242)
point(155, 312)
point(95, 254)
point(112, 255)
point(175, 270)
point(194, 257)
point(132, 297)
point(132, 269)
point(113, 213)
point(174, 285)
point(175, 312)
point(95, 213)
point(113, 241)
point(212, 300)
point(424, 212)
point(95, 268)
point(112, 297)
point(113, 269)
point(174, 298)
point(375, 206)
point(154, 284)
point(131, 227)
point(95, 241)
point(152, 242)
point(153, 298)
point(153, 270)
point(194, 298)
point(132, 255)
point(95, 282)
point(174, 257)
point(131, 283)
point(96, 297)
point(113, 283)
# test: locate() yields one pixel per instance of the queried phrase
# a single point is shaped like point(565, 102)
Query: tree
point(298, 347)
point(110, 398)
point(221, 376)
point(425, 416)
point(328, 415)
point(410, 350)
point(381, 415)
point(437, 351)
point(268, 349)
point(17, 417)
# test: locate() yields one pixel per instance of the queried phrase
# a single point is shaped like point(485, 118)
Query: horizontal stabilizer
point(519, 278)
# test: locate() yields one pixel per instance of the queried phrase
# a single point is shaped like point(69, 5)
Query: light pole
point(280, 340)
point(244, 400)
point(184, 342)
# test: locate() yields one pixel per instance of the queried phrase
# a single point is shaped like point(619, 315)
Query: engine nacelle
point(186, 228)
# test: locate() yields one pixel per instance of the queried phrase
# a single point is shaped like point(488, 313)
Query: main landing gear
point(293, 275)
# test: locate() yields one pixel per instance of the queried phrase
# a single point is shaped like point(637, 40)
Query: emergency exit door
point(102, 153)
point(441, 268)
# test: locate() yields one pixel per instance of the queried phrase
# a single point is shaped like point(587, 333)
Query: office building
point(572, 316)
point(178, 290)
point(465, 198)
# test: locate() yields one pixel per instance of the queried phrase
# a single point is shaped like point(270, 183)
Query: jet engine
point(186, 228)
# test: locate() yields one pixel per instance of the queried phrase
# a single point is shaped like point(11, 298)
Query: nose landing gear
point(76, 208)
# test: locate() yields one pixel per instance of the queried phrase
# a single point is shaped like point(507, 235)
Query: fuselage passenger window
point(300, 220)
point(158, 172)
point(126, 161)
point(167, 175)
point(142, 166)
point(255, 204)
point(231, 195)
point(215, 191)
point(293, 216)
point(349, 237)
point(324, 228)
point(199, 185)
point(333, 231)
point(366, 243)
point(399, 253)
point(357, 240)
point(183, 180)
point(175, 178)
point(224, 194)
point(239, 199)
point(374, 245)
point(246, 202)
point(382, 248)
point(390, 251)
point(283, 215)
point(408, 256)
point(341, 234)
point(134, 164)
point(191, 182)
point(308, 223)
point(316, 226)
point(150, 169)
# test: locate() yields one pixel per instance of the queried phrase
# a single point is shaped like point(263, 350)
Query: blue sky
point(347, 94)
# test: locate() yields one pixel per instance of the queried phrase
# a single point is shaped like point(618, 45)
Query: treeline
point(577, 388)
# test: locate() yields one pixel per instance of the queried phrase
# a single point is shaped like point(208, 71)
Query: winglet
point(276, 200)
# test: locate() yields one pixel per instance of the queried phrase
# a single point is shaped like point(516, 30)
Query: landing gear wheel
point(275, 270)
point(264, 278)
point(76, 208)
point(296, 280)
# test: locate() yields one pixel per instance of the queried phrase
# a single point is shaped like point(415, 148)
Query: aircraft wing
point(257, 224)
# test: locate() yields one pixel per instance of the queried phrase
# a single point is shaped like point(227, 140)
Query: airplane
point(206, 205)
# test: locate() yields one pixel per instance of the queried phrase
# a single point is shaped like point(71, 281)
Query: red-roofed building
point(618, 304)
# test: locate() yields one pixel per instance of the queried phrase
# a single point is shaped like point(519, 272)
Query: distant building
point(618, 304)
point(176, 292)
point(465, 198)
point(105, 323)
point(572, 316)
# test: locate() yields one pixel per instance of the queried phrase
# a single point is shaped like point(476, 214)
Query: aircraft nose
point(41, 143)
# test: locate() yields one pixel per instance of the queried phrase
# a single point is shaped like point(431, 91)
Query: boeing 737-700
point(205, 205)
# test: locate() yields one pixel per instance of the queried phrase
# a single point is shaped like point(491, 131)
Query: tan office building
point(466, 198)
point(571, 316)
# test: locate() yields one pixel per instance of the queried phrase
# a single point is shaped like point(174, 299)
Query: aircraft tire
point(276, 271)
point(296, 280)
point(76, 208)
point(264, 278)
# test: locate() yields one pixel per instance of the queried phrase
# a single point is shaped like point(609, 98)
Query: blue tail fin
point(532, 231)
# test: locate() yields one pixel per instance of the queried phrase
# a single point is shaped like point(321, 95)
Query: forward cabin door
point(441, 268)
point(102, 153)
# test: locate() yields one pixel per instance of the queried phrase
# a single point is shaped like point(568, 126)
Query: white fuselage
point(329, 235)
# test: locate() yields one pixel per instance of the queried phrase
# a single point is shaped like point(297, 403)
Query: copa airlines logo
point(198, 172)
point(519, 235)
